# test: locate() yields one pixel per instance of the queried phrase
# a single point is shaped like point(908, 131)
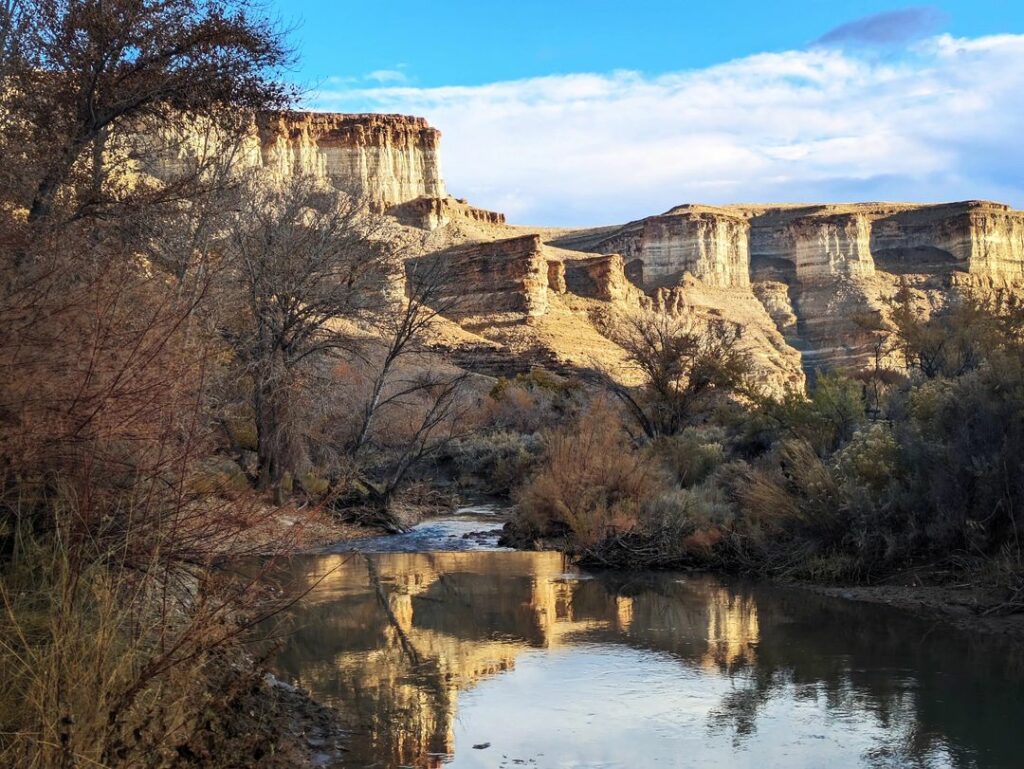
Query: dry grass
point(111, 667)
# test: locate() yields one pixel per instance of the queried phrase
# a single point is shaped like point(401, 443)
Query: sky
point(580, 113)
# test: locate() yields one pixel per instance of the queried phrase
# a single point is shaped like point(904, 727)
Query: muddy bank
point(311, 734)
point(968, 607)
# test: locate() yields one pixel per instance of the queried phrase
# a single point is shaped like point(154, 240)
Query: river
point(441, 649)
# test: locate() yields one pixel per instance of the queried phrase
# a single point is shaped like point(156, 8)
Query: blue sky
point(596, 112)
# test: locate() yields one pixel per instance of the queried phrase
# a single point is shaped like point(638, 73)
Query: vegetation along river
point(442, 649)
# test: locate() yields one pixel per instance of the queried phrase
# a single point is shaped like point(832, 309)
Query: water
point(429, 654)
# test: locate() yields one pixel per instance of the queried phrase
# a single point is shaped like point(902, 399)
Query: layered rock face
point(387, 159)
point(807, 283)
point(502, 276)
point(601, 277)
point(823, 273)
point(711, 244)
point(382, 159)
point(435, 213)
point(830, 246)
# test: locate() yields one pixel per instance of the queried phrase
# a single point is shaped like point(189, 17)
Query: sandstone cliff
point(806, 283)
point(822, 273)
point(503, 276)
point(383, 159)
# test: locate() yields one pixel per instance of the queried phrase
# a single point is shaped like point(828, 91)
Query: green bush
point(497, 462)
point(692, 455)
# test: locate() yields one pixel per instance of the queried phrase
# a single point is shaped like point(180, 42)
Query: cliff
point(383, 159)
point(805, 282)
point(821, 272)
point(504, 276)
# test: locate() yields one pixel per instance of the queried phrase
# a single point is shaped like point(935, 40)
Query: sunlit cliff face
point(454, 619)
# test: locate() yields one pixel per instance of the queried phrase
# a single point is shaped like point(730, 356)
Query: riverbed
point(441, 649)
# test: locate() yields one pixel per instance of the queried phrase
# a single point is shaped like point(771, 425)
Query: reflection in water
point(428, 653)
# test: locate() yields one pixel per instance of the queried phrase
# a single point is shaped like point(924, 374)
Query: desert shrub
point(689, 525)
point(870, 460)
point(787, 508)
point(530, 402)
point(692, 455)
point(826, 420)
point(962, 444)
point(495, 461)
point(590, 483)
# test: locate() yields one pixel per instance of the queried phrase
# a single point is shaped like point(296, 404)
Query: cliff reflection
point(394, 641)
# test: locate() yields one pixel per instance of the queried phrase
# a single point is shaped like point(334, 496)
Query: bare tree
point(78, 71)
point(402, 326)
point(303, 259)
point(683, 360)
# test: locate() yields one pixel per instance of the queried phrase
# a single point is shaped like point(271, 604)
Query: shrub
point(115, 668)
point(827, 419)
point(692, 455)
point(530, 402)
point(497, 461)
point(870, 460)
point(591, 482)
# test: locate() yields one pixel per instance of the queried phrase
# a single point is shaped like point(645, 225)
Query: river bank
point(967, 605)
point(445, 649)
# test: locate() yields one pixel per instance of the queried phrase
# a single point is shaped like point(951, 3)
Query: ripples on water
point(555, 668)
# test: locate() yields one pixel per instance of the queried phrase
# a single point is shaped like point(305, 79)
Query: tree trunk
point(42, 202)
point(268, 464)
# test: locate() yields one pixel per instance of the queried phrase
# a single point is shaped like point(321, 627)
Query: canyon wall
point(707, 242)
point(383, 159)
point(823, 273)
point(511, 275)
point(806, 283)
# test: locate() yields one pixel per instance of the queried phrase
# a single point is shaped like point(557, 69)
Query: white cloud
point(942, 121)
point(387, 76)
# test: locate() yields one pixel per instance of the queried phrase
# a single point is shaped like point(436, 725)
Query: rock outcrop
point(382, 159)
point(386, 159)
point(706, 242)
point(433, 213)
point(601, 277)
point(823, 273)
point(501, 276)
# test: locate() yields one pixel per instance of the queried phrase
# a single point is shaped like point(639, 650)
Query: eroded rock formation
point(382, 159)
point(806, 283)
point(501, 276)
point(706, 242)
point(601, 277)
point(823, 273)
point(434, 213)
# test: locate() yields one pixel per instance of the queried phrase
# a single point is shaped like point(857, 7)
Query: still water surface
point(429, 654)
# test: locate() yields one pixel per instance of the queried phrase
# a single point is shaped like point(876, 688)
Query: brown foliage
point(78, 73)
point(590, 484)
